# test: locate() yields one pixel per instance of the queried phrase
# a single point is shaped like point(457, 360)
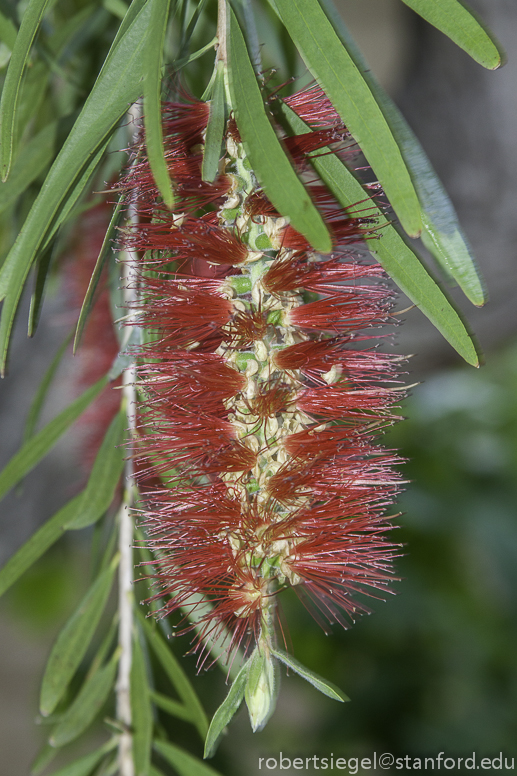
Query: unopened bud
point(261, 689)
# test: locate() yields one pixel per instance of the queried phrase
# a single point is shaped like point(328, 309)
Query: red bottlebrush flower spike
point(262, 390)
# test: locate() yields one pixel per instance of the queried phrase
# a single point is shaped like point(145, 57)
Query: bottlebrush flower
point(262, 393)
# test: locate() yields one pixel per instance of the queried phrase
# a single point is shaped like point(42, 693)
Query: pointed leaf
point(30, 22)
point(73, 641)
point(41, 394)
point(8, 31)
point(390, 249)
point(116, 7)
point(85, 765)
point(321, 684)
point(267, 157)
point(170, 706)
point(37, 545)
point(183, 762)
point(30, 163)
point(215, 128)
point(462, 26)
point(176, 674)
point(441, 234)
point(106, 247)
point(152, 98)
point(104, 477)
point(86, 508)
point(42, 759)
point(335, 70)
point(118, 85)
point(141, 712)
point(42, 269)
point(89, 701)
point(39, 445)
point(226, 710)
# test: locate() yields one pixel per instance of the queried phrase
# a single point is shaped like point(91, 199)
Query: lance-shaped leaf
point(13, 80)
point(89, 701)
point(462, 26)
point(152, 99)
point(106, 247)
point(172, 707)
point(390, 249)
point(85, 765)
point(321, 684)
point(41, 394)
point(31, 162)
point(83, 510)
point(104, 477)
point(39, 445)
point(442, 234)
point(141, 712)
point(37, 545)
point(336, 72)
point(176, 675)
point(8, 31)
point(215, 128)
point(226, 710)
point(73, 641)
point(184, 763)
point(267, 157)
point(118, 85)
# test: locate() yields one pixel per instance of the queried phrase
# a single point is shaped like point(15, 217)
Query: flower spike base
point(262, 390)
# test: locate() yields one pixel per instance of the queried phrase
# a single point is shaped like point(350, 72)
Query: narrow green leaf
point(215, 128)
point(73, 641)
point(29, 164)
point(462, 26)
point(41, 394)
point(8, 31)
point(42, 759)
point(152, 98)
point(226, 710)
point(89, 701)
point(118, 85)
point(42, 270)
point(38, 446)
point(69, 206)
point(116, 7)
point(267, 157)
point(335, 70)
point(324, 686)
point(176, 675)
point(390, 249)
point(85, 765)
point(83, 510)
point(107, 246)
point(442, 235)
point(172, 707)
point(189, 31)
point(13, 79)
point(37, 545)
point(82, 767)
point(141, 712)
point(32, 96)
point(184, 763)
point(180, 63)
point(104, 477)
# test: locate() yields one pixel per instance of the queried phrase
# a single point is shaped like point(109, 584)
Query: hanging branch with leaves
point(246, 257)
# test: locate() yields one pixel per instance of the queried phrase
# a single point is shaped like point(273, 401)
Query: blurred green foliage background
point(435, 668)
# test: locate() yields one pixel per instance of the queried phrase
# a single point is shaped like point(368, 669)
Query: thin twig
point(126, 538)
